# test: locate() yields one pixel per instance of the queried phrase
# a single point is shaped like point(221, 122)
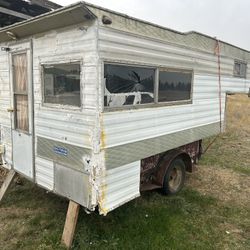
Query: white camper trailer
point(96, 106)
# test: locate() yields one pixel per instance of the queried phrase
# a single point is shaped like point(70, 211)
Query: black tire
point(175, 177)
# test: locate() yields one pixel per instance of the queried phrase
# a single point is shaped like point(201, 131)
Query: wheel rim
point(175, 178)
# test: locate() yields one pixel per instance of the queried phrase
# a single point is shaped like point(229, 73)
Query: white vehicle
point(96, 106)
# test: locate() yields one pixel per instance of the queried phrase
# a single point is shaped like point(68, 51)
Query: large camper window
point(174, 86)
point(62, 84)
point(128, 85)
point(240, 69)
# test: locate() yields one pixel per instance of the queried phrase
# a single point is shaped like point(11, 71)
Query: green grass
point(190, 220)
point(31, 218)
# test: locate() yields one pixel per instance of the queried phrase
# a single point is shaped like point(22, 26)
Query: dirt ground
point(225, 185)
point(231, 149)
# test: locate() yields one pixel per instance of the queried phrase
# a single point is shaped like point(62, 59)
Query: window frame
point(155, 104)
point(57, 105)
point(178, 102)
point(240, 63)
point(16, 93)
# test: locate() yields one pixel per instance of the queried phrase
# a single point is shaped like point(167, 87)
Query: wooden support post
point(10, 176)
point(70, 224)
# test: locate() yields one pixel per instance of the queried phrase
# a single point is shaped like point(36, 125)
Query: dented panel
point(118, 186)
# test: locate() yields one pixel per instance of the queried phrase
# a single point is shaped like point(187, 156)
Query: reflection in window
point(62, 84)
point(174, 86)
point(128, 85)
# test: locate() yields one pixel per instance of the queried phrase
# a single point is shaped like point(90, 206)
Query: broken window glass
point(62, 84)
point(174, 86)
point(128, 85)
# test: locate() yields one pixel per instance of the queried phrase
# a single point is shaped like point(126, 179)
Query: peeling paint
point(102, 188)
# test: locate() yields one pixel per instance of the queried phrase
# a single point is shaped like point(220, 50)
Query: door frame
point(15, 49)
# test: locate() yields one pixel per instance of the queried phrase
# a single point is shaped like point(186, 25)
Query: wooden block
point(70, 224)
point(6, 183)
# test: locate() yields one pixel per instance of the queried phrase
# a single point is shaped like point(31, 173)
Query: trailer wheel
point(175, 177)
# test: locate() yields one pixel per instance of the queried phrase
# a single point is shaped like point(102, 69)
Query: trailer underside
point(154, 168)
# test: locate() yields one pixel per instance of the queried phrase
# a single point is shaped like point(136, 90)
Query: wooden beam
point(10, 176)
point(70, 224)
point(14, 13)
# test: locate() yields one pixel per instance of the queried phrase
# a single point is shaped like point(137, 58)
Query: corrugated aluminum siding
point(130, 126)
point(44, 173)
point(126, 128)
point(148, 30)
point(132, 134)
point(118, 186)
point(58, 123)
point(5, 121)
point(118, 45)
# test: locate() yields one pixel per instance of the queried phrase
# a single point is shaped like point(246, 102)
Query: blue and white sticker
point(60, 150)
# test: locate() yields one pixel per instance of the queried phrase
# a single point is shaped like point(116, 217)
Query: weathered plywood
point(70, 224)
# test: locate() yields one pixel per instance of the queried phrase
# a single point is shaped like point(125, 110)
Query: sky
point(228, 20)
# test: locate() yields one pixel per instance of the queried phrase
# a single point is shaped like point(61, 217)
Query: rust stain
point(102, 194)
point(103, 134)
point(103, 186)
point(103, 139)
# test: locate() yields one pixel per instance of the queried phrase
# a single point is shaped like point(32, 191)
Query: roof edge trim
point(48, 15)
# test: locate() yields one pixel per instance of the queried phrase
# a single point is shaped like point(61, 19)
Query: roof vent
point(106, 20)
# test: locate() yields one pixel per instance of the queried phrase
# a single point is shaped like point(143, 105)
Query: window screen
point(174, 86)
point(240, 69)
point(128, 85)
point(62, 84)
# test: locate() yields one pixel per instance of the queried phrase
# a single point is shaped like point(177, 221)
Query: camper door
point(22, 109)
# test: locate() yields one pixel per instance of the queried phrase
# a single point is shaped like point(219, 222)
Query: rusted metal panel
point(153, 168)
